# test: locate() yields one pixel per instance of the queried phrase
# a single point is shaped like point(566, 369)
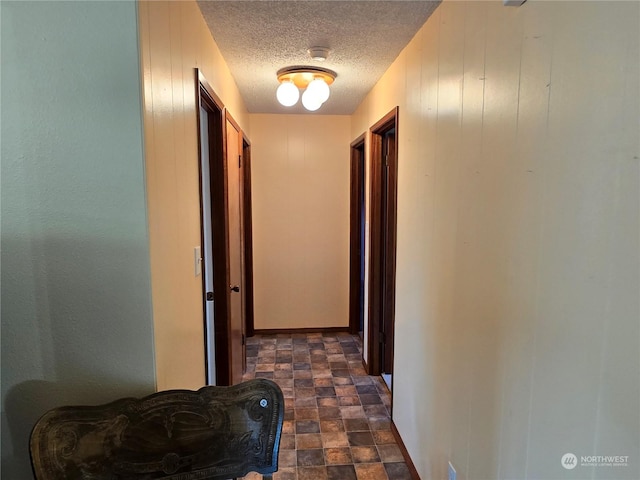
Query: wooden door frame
point(376, 315)
point(356, 234)
point(206, 97)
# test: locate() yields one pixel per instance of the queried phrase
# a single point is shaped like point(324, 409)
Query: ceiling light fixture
point(314, 81)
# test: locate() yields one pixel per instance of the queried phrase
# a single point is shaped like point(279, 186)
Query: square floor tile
point(327, 392)
point(322, 382)
point(382, 437)
point(360, 438)
point(287, 442)
point(341, 472)
point(356, 424)
point(287, 392)
point(329, 413)
point(371, 471)
point(312, 473)
point(327, 426)
point(335, 439)
point(305, 402)
point(303, 392)
point(350, 400)
point(346, 390)
point(308, 458)
point(380, 423)
point(303, 383)
point(370, 399)
point(327, 401)
point(338, 456)
point(306, 441)
point(342, 381)
point(362, 380)
point(366, 389)
point(352, 412)
point(375, 411)
point(306, 414)
point(367, 454)
point(398, 471)
point(287, 458)
point(288, 426)
point(307, 426)
point(284, 382)
point(338, 365)
point(390, 453)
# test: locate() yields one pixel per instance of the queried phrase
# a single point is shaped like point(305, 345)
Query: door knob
point(235, 288)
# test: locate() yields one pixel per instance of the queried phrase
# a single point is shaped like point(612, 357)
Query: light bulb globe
point(287, 94)
point(319, 89)
point(310, 101)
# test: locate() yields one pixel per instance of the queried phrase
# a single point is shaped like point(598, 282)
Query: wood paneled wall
point(174, 40)
point(517, 332)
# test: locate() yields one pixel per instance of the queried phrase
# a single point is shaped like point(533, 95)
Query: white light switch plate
point(197, 261)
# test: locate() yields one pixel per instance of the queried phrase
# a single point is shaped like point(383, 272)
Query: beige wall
point(517, 318)
point(300, 182)
point(174, 40)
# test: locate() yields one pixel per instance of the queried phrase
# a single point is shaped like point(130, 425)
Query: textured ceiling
point(257, 38)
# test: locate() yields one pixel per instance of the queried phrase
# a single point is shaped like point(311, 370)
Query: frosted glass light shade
point(319, 89)
point(312, 82)
point(287, 94)
point(310, 101)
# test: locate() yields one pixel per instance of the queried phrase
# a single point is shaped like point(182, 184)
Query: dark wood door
point(236, 253)
point(357, 238)
point(248, 238)
point(382, 264)
point(387, 227)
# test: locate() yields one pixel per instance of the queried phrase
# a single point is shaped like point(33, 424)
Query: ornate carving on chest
point(179, 434)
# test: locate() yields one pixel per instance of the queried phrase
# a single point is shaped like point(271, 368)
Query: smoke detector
point(319, 54)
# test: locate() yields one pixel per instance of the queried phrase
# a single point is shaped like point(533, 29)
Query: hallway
point(337, 424)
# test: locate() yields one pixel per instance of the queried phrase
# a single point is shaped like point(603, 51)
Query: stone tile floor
point(336, 423)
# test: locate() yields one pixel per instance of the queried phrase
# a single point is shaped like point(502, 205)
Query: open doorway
point(248, 236)
point(223, 202)
point(382, 266)
point(357, 238)
point(213, 233)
